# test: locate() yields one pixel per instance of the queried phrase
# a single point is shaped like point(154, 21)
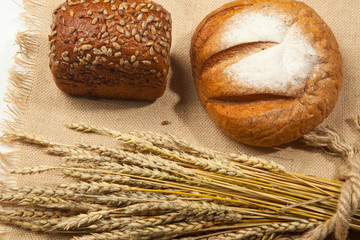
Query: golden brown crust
point(111, 48)
point(261, 119)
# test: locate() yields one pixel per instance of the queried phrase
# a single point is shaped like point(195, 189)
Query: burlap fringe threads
point(19, 86)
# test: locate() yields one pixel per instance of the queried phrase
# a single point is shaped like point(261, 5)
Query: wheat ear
point(81, 220)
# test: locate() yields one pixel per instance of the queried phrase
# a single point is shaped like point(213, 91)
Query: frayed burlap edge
point(20, 86)
point(20, 81)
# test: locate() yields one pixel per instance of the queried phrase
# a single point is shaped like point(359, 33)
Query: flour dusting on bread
point(280, 70)
point(249, 28)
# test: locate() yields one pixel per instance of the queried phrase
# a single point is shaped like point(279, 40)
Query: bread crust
point(265, 119)
point(111, 49)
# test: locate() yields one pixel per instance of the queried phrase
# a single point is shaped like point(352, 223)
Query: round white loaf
point(267, 71)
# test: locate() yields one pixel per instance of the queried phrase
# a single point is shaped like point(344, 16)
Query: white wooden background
point(10, 24)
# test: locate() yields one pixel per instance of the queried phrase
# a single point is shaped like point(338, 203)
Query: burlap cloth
point(37, 106)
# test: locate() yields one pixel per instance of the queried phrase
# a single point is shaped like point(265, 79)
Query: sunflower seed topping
point(97, 52)
point(136, 64)
point(146, 62)
point(138, 38)
point(119, 29)
point(164, 44)
point(134, 31)
point(116, 45)
point(127, 34)
point(150, 19)
point(94, 21)
point(53, 26)
point(153, 30)
point(125, 5)
point(109, 53)
point(152, 51)
point(65, 54)
point(157, 48)
point(86, 47)
point(88, 57)
point(103, 50)
point(105, 35)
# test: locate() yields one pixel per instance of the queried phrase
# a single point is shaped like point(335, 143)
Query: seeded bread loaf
point(267, 71)
point(111, 48)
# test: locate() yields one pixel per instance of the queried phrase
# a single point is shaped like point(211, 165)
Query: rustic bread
point(267, 71)
point(111, 48)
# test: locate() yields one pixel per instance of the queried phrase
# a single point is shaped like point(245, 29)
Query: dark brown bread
point(111, 48)
point(258, 116)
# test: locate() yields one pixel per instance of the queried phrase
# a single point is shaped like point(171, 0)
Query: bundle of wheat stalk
point(161, 187)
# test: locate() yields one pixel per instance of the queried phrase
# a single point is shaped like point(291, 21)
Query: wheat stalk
point(169, 230)
point(261, 231)
point(22, 224)
point(174, 143)
point(116, 155)
point(163, 187)
point(143, 145)
point(67, 151)
point(86, 175)
point(33, 170)
point(171, 142)
point(39, 191)
point(32, 213)
point(80, 220)
point(25, 137)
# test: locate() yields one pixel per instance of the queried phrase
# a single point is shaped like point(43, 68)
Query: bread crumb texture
point(268, 72)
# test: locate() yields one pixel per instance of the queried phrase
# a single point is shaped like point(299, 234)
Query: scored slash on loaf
point(111, 48)
point(281, 69)
point(267, 71)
